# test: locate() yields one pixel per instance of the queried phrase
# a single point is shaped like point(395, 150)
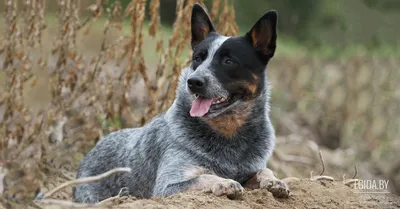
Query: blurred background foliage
point(325, 26)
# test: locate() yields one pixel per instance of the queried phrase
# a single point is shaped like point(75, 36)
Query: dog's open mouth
point(201, 105)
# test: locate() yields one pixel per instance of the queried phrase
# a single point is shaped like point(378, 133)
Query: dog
point(216, 136)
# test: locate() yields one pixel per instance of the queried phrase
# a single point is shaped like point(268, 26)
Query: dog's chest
point(234, 158)
point(237, 166)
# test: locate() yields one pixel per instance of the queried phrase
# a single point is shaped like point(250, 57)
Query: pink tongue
point(200, 107)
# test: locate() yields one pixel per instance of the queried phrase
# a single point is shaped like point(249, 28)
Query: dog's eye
point(197, 59)
point(228, 61)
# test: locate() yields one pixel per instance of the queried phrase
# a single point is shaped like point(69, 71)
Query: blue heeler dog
point(216, 136)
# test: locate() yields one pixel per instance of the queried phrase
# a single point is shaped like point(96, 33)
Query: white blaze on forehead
point(212, 48)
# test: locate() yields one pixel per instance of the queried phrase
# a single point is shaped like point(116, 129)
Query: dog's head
point(228, 72)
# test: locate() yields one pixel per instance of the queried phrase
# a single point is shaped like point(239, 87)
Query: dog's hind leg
point(265, 179)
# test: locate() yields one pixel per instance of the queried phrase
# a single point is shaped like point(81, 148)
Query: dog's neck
point(229, 125)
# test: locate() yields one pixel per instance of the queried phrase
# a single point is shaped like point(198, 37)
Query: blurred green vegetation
point(323, 28)
point(342, 26)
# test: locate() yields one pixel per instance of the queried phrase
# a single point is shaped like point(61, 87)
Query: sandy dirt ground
point(305, 193)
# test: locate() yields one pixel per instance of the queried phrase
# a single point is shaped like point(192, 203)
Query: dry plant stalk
point(320, 176)
point(154, 17)
point(179, 39)
point(70, 204)
point(90, 179)
point(17, 68)
point(64, 78)
point(353, 180)
point(18, 127)
point(226, 20)
point(11, 31)
point(215, 9)
point(34, 21)
point(64, 203)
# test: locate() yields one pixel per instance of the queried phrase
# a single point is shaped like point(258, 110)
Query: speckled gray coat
point(160, 151)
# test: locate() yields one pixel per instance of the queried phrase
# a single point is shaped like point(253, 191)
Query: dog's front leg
point(195, 178)
point(265, 179)
point(209, 183)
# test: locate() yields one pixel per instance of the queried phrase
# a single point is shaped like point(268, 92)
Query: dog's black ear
point(201, 24)
point(263, 35)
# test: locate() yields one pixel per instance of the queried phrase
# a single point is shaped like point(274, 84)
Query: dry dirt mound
point(304, 194)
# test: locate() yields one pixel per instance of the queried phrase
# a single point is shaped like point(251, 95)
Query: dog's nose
point(196, 84)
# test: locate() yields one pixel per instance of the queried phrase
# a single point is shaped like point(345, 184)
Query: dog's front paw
point(232, 189)
point(277, 187)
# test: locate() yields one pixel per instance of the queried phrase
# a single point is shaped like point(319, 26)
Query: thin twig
point(76, 205)
point(318, 178)
point(322, 162)
point(111, 198)
point(64, 203)
point(355, 172)
point(353, 179)
point(87, 180)
point(102, 50)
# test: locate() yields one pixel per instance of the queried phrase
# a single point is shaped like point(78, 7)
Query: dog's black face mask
point(227, 72)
